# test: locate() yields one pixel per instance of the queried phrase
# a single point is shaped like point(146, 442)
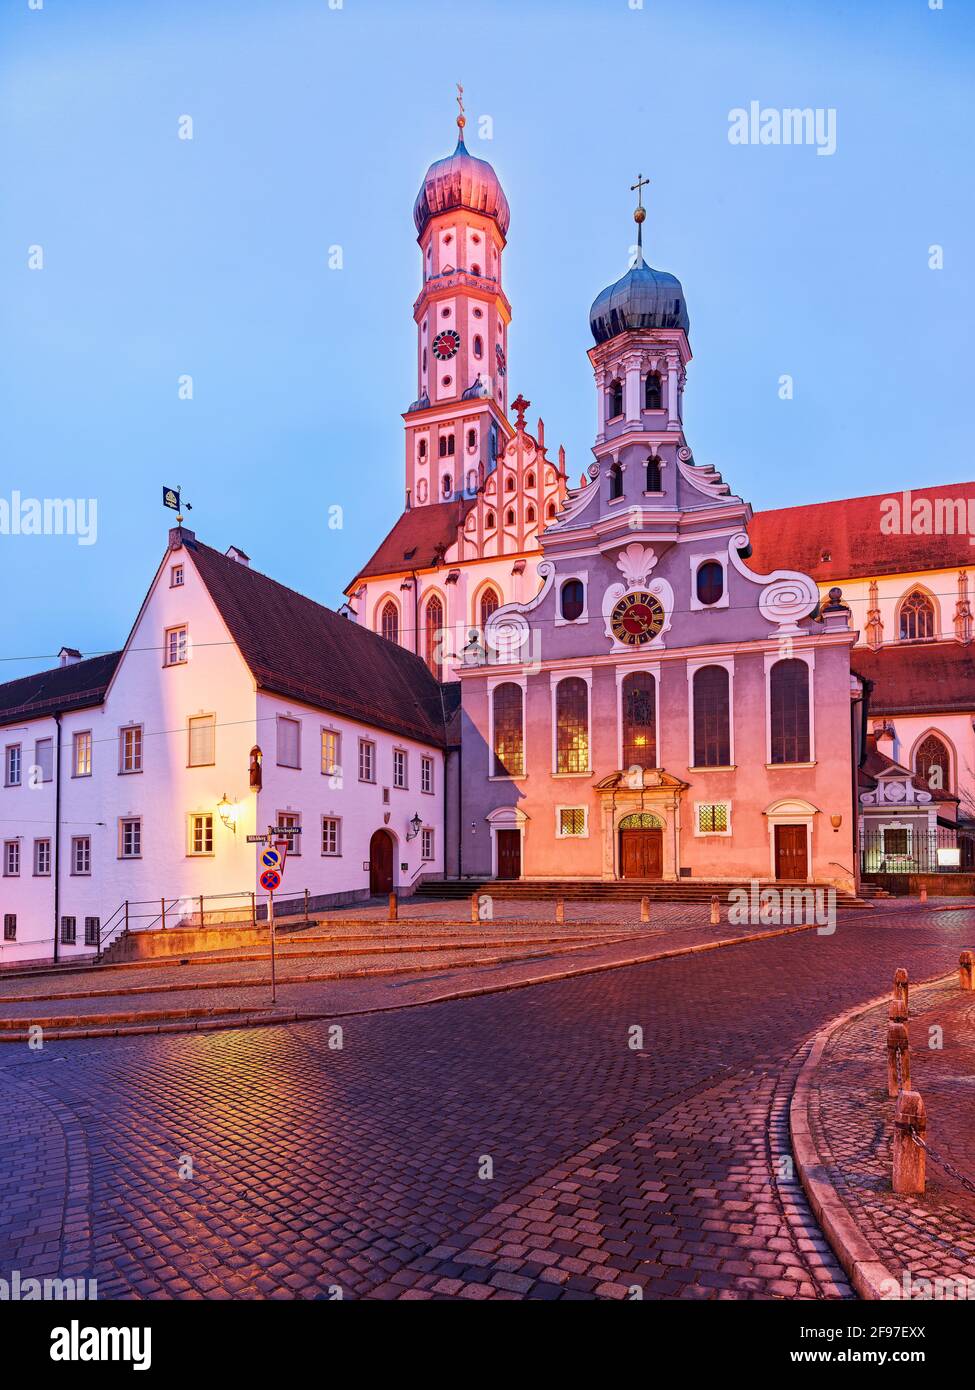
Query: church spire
point(639, 215)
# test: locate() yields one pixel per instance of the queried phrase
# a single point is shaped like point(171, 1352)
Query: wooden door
point(509, 853)
point(790, 852)
point(641, 853)
point(380, 863)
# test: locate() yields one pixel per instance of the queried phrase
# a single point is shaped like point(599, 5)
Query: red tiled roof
point(918, 677)
point(64, 688)
point(849, 532)
point(418, 540)
point(297, 648)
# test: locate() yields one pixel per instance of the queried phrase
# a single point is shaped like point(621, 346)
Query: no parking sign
point(270, 880)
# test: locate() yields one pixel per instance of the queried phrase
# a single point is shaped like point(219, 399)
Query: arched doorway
point(381, 863)
point(641, 846)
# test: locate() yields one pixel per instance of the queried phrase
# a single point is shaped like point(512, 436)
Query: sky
point(313, 122)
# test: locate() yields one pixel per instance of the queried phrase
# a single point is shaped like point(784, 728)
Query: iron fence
point(916, 849)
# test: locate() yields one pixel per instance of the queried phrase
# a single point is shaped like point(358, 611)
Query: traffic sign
point(270, 857)
point(282, 848)
point(257, 839)
point(270, 880)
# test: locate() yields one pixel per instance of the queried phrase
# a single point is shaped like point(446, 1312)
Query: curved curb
point(862, 1263)
point(446, 997)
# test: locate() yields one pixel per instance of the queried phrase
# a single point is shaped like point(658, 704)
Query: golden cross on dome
point(639, 214)
point(638, 188)
point(461, 118)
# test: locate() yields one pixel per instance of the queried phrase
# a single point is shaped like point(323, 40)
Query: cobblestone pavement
point(506, 1146)
point(929, 1237)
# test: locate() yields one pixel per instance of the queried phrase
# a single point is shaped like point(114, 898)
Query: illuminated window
point(572, 822)
point(572, 725)
point(201, 834)
point(639, 721)
point(712, 818)
point(81, 754)
point(916, 618)
point(932, 761)
point(509, 734)
point(130, 748)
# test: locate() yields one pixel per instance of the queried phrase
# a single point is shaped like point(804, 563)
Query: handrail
point(172, 912)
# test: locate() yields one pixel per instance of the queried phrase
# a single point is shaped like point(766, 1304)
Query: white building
point(127, 777)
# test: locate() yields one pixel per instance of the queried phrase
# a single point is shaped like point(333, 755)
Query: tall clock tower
point(457, 426)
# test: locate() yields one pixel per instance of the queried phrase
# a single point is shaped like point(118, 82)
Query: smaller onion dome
point(643, 298)
point(461, 181)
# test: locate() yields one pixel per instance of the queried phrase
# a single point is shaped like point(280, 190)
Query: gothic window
point(616, 481)
point(489, 521)
point(932, 761)
point(530, 513)
point(639, 721)
point(712, 717)
point(572, 725)
point(490, 603)
point(917, 618)
point(789, 711)
point(509, 483)
point(509, 733)
point(478, 345)
point(614, 403)
point(550, 511)
point(654, 483)
point(432, 637)
point(529, 479)
point(471, 480)
point(389, 621)
point(573, 599)
point(710, 582)
point(509, 517)
point(652, 396)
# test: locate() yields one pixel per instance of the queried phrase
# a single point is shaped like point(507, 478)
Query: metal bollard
point(560, 909)
point(900, 989)
point(393, 907)
point(908, 1167)
point(715, 910)
point(898, 1048)
point(966, 970)
point(644, 909)
point(475, 914)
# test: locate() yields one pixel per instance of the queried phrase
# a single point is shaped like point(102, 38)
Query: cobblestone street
point(512, 1145)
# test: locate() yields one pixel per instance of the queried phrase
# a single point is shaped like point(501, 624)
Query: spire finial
point(461, 118)
point(639, 214)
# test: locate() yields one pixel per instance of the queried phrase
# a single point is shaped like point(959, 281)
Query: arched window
point(572, 725)
point(573, 599)
point(471, 480)
point(445, 484)
point(712, 717)
point(710, 582)
point(654, 483)
point(422, 449)
point(489, 521)
point(424, 361)
point(490, 603)
point(550, 511)
point(932, 761)
point(509, 517)
point(478, 346)
point(616, 481)
point(433, 636)
point(529, 513)
point(917, 618)
point(389, 621)
point(475, 269)
point(614, 403)
point(509, 483)
point(472, 439)
point(652, 396)
point(639, 720)
point(529, 479)
point(789, 711)
point(509, 732)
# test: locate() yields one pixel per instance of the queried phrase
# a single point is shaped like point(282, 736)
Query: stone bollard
point(908, 1174)
point(715, 910)
point(966, 970)
point(923, 895)
point(900, 989)
point(560, 909)
point(475, 908)
point(898, 1046)
point(644, 909)
point(393, 907)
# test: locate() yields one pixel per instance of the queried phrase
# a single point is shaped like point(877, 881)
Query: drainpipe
point(57, 832)
point(416, 613)
point(867, 686)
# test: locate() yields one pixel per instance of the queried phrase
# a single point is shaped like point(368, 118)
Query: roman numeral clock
point(637, 618)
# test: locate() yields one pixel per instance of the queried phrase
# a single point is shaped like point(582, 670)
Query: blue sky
point(313, 127)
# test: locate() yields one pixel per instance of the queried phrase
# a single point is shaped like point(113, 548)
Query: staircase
point(606, 891)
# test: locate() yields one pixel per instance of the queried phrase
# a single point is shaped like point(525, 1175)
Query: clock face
point(445, 344)
point(502, 365)
point(637, 618)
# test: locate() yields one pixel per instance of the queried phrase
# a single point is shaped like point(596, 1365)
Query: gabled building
point(132, 780)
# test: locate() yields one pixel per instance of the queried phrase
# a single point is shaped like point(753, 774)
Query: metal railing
point(905, 849)
point(244, 909)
